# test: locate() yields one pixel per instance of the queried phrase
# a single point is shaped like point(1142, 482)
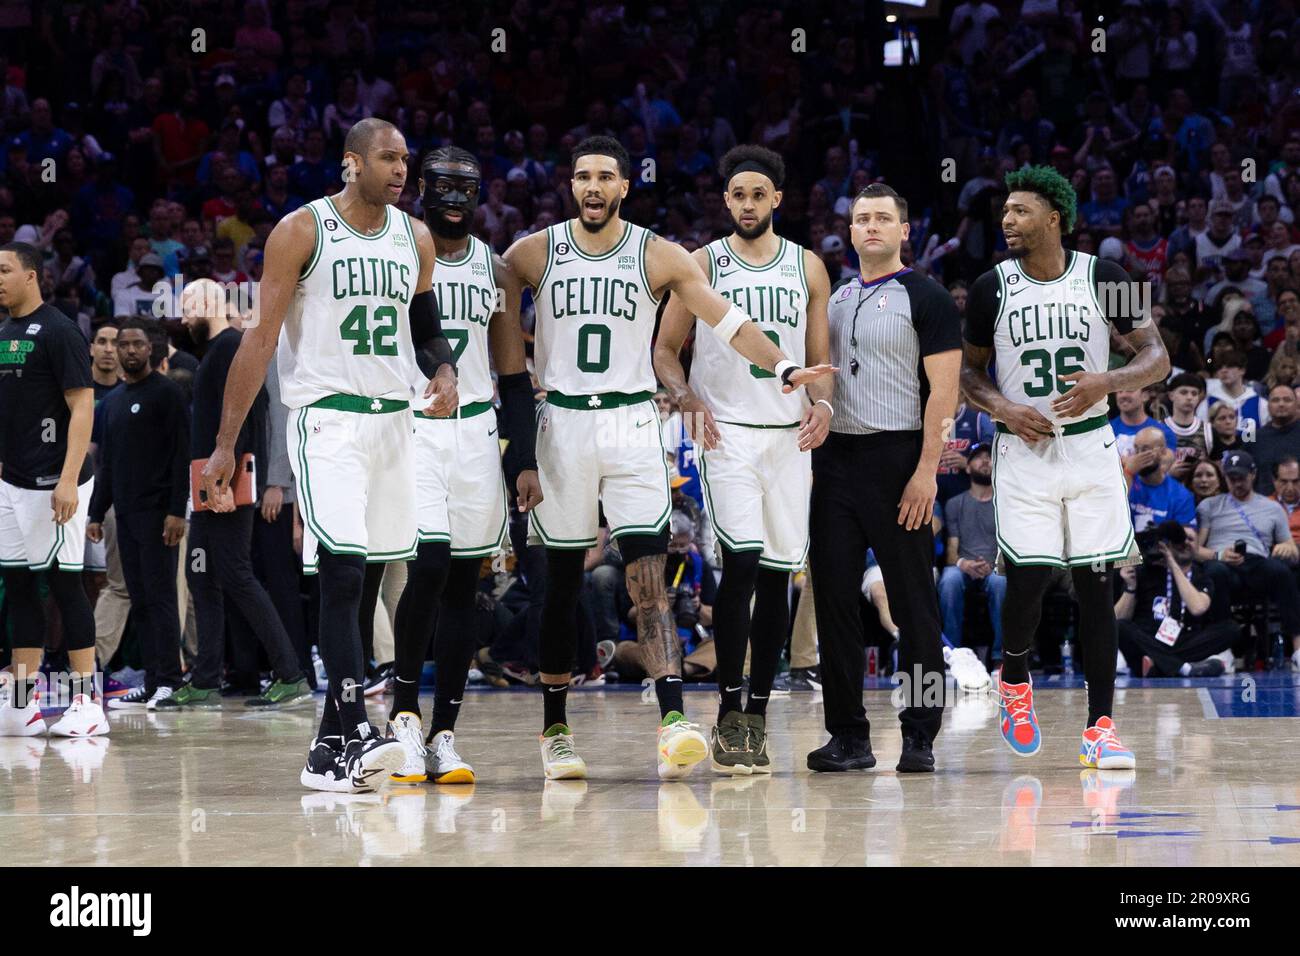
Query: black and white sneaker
point(135, 699)
point(369, 759)
point(379, 682)
point(324, 767)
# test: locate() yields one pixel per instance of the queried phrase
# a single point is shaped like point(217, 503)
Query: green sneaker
point(728, 745)
point(756, 742)
point(281, 694)
point(190, 696)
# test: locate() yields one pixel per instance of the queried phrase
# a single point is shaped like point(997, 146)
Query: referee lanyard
point(875, 286)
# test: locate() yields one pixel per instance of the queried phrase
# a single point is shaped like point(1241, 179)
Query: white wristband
point(829, 407)
point(781, 366)
point(730, 324)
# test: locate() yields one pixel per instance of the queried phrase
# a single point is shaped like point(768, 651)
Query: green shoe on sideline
point(190, 696)
point(281, 694)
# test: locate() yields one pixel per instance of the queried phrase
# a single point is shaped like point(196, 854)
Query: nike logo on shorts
point(644, 423)
point(492, 432)
point(1111, 442)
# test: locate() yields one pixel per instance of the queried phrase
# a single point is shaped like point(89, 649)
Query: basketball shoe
point(560, 761)
point(19, 721)
point(83, 718)
point(1102, 750)
point(681, 746)
point(1018, 724)
point(443, 764)
point(407, 730)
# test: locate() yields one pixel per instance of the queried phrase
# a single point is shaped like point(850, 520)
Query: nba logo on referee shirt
point(880, 306)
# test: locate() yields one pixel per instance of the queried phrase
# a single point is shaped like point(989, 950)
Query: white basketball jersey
point(347, 329)
point(775, 296)
point(595, 316)
point(466, 290)
point(1048, 329)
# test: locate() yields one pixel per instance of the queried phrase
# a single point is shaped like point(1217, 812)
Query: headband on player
point(754, 166)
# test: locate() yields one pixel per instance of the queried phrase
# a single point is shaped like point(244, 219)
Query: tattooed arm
point(656, 632)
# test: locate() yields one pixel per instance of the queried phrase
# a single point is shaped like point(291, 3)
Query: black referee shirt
point(884, 329)
point(42, 355)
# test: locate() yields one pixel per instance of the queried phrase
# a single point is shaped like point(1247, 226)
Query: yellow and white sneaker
point(407, 730)
point(443, 764)
point(681, 746)
point(559, 759)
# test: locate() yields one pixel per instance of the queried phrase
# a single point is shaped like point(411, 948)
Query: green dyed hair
point(1052, 186)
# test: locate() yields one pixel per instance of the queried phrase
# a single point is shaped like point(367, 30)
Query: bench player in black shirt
point(45, 485)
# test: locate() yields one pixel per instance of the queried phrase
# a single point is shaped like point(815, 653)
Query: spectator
point(1229, 387)
point(1286, 491)
point(179, 138)
point(138, 297)
point(1171, 615)
point(223, 531)
point(1185, 392)
point(1225, 435)
point(1132, 418)
point(971, 552)
point(1280, 438)
point(1154, 496)
point(1219, 239)
point(1207, 480)
point(144, 476)
point(1251, 534)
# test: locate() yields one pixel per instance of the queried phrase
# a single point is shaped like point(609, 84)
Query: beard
point(755, 230)
point(610, 210)
point(979, 478)
point(445, 229)
point(199, 333)
point(1149, 470)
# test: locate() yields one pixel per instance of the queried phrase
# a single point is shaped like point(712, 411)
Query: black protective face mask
point(444, 192)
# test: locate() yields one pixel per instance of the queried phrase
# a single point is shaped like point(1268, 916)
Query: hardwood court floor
point(1218, 783)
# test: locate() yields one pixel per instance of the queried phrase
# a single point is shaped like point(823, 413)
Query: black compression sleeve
point(982, 309)
point(432, 350)
point(518, 424)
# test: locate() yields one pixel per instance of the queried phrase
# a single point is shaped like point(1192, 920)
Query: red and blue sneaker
point(1101, 748)
point(1018, 724)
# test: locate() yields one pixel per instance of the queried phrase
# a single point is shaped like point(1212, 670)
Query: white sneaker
point(19, 721)
point(407, 730)
point(162, 693)
point(681, 747)
point(137, 698)
point(443, 764)
point(1228, 662)
point(966, 668)
point(560, 761)
point(83, 718)
point(1121, 665)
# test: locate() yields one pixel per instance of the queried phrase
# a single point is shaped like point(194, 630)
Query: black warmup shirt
point(42, 355)
point(144, 449)
point(209, 392)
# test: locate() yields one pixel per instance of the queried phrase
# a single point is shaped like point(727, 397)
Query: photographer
point(1251, 536)
point(1171, 611)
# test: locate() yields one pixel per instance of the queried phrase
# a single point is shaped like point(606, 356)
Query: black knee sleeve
point(74, 609)
point(633, 547)
point(26, 616)
point(563, 585)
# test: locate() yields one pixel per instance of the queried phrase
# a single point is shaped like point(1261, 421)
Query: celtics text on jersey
point(347, 330)
point(595, 316)
point(1041, 331)
point(467, 297)
point(775, 296)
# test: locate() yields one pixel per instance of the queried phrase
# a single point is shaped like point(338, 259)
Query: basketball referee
point(895, 336)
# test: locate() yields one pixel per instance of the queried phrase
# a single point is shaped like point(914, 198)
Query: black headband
point(753, 166)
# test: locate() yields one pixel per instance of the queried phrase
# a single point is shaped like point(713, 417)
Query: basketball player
point(1059, 495)
point(347, 293)
point(460, 495)
point(597, 282)
point(46, 478)
point(753, 438)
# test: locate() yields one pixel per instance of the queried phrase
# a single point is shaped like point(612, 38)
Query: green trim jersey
point(466, 290)
point(775, 296)
point(595, 316)
point(347, 330)
point(1040, 331)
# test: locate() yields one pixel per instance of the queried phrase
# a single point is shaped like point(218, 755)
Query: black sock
point(1021, 611)
point(554, 698)
point(669, 691)
point(340, 581)
point(416, 619)
point(563, 584)
point(731, 624)
point(1098, 639)
point(767, 635)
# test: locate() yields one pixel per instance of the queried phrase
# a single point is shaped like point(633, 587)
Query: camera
point(1167, 532)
